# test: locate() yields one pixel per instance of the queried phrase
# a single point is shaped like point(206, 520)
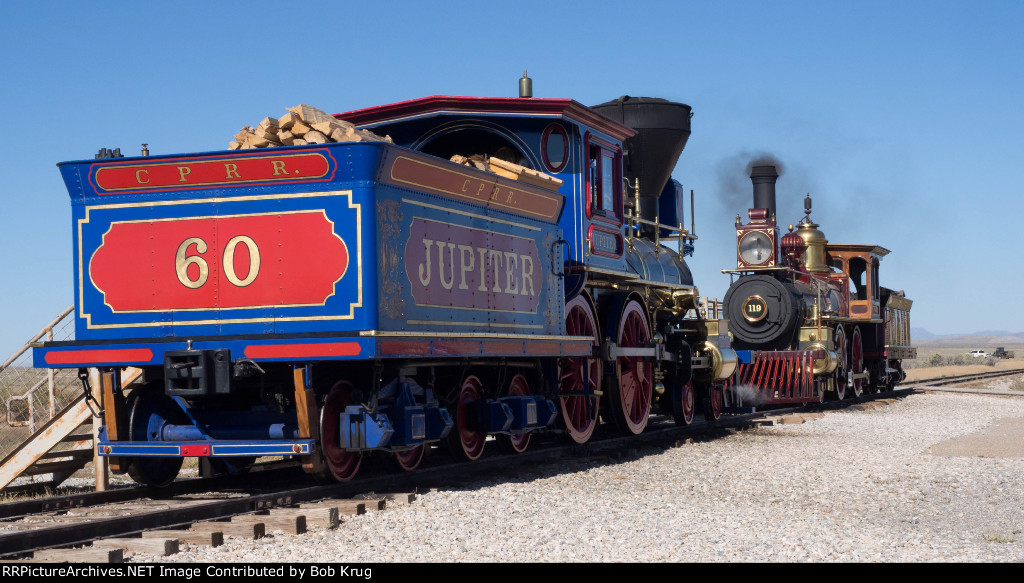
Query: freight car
point(322, 302)
point(809, 317)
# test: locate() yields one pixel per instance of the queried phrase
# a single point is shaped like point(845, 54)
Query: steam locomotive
point(809, 318)
point(326, 302)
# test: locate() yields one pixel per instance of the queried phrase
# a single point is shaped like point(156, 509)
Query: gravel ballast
point(851, 486)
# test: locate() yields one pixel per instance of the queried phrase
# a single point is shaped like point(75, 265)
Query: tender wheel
point(342, 464)
point(629, 399)
point(714, 401)
point(516, 443)
point(148, 411)
point(857, 361)
point(683, 408)
point(580, 375)
point(844, 364)
point(463, 441)
point(409, 459)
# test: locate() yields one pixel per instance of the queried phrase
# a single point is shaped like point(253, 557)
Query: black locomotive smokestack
point(663, 127)
point(764, 178)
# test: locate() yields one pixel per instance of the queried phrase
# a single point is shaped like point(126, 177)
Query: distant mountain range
point(981, 338)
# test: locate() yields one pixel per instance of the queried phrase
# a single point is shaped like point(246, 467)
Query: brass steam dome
point(814, 257)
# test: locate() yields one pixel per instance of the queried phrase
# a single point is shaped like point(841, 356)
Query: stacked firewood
point(301, 125)
point(509, 170)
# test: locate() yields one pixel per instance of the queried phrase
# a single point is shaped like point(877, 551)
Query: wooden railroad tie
point(325, 517)
point(399, 499)
point(245, 529)
point(213, 538)
point(83, 555)
point(160, 547)
point(290, 523)
point(344, 507)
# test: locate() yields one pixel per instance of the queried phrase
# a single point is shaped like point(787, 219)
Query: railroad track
point(956, 379)
point(31, 527)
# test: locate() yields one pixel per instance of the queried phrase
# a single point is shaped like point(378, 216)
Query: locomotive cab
point(622, 284)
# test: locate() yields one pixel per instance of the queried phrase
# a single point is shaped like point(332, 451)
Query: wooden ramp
point(61, 447)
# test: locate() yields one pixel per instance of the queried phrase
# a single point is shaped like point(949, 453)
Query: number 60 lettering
point(183, 261)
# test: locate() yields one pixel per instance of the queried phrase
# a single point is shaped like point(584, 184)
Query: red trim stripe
point(112, 355)
point(321, 349)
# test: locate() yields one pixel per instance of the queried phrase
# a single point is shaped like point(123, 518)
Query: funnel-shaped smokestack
point(764, 178)
point(663, 127)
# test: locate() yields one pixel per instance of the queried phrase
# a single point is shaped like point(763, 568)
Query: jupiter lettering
point(486, 269)
point(462, 267)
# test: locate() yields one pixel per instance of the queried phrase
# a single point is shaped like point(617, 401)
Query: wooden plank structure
point(37, 454)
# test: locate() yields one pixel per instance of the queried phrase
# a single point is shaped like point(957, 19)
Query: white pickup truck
point(978, 354)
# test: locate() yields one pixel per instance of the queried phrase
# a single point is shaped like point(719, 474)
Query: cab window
point(604, 180)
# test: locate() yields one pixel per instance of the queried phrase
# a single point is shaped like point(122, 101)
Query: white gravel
point(852, 486)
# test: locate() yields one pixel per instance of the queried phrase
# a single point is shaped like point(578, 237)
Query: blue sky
point(902, 119)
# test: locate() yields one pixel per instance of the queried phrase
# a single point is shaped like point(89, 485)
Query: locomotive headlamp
point(755, 248)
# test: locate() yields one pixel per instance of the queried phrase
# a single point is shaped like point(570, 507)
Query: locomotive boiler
point(809, 317)
point(328, 301)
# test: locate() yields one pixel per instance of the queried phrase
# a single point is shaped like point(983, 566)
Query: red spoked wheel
point(580, 374)
point(683, 409)
point(857, 361)
point(343, 464)
point(630, 398)
point(464, 442)
point(519, 387)
point(714, 401)
point(409, 459)
point(844, 364)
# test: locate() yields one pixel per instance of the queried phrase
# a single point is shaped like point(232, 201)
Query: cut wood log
point(287, 121)
point(286, 137)
point(310, 115)
point(246, 131)
point(299, 128)
point(267, 123)
point(522, 173)
point(315, 137)
point(299, 142)
point(346, 135)
point(254, 141)
point(269, 134)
